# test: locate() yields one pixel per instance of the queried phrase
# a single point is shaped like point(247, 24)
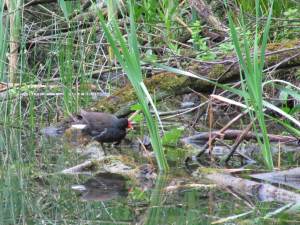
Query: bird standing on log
point(103, 127)
point(100, 126)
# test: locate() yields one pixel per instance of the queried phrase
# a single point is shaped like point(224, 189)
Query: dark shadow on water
point(103, 187)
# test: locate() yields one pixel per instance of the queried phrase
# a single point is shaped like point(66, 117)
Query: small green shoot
point(172, 136)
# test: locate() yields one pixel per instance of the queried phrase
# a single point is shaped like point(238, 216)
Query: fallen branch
point(234, 134)
point(165, 84)
point(261, 191)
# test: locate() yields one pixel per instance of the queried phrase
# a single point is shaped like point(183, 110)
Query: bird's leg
point(94, 138)
point(117, 146)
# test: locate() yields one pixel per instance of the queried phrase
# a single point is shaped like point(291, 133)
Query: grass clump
point(252, 73)
point(127, 54)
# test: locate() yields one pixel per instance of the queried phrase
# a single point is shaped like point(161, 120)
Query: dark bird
point(103, 127)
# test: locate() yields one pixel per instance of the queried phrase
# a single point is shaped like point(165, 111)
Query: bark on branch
point(279, 55)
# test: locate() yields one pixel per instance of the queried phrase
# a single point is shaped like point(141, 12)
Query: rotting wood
point(234, 134)
point(167, 84)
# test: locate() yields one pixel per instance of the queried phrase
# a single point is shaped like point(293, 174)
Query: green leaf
point(136, 107)
point(127, 54)
point(172, 136)
point(64, 8)
point(138, 118)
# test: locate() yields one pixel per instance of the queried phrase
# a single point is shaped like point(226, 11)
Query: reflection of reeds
point(127, 55)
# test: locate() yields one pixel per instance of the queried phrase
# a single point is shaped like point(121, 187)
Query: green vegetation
point(3, 42)
point(252, 77)
point(129, 58)
point(279, 6)
point(156, 62)
point(201, 43)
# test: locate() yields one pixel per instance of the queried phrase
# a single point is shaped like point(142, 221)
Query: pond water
point(34, 190)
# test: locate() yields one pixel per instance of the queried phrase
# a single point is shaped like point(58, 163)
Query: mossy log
point(279, 55)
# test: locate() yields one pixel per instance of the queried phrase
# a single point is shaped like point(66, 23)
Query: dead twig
point(238, 141)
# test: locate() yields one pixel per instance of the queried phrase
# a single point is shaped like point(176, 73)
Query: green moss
point(282, 45)
point(216, 71)
point(272, 59)
point(164, 82)
point(207, 170)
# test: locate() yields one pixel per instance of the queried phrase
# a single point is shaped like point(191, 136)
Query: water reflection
point(33, 191)
point(103, 187)
point(106, 185)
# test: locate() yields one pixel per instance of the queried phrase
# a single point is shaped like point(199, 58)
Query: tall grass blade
point(252, 67)
point(64, 8)
point(145, 90)
point(3, 41)
point(129, 59)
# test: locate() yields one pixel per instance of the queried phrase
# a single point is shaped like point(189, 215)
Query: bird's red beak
point(129, 125)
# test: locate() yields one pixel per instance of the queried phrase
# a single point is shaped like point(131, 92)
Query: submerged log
point(261, 191)
point(289, 177)
point(279, 55)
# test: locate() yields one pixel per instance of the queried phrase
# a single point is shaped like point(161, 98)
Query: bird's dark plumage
point(103, 127)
